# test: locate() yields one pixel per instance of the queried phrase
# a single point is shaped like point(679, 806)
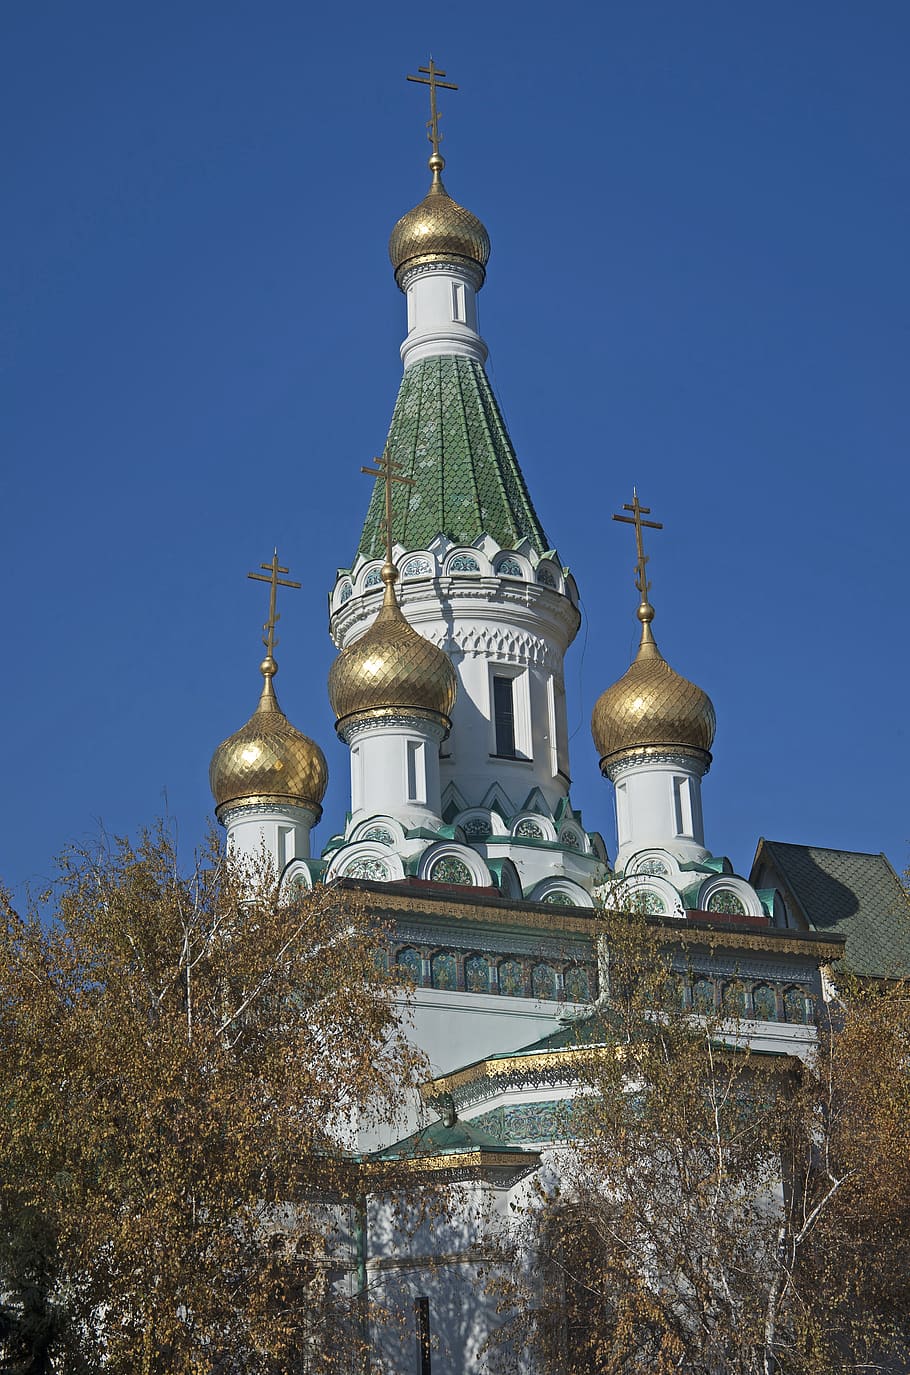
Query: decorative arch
point(449, 862)
point(561, 892)
point(727, 895)
point(366, 860)
point(381, 830)
point(532, 826)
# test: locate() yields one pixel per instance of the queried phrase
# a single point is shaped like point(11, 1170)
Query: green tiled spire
point(448, 435)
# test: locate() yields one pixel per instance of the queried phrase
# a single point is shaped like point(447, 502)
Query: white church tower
point(477, 578)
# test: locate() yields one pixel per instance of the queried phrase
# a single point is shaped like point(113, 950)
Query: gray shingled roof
point(841, 892)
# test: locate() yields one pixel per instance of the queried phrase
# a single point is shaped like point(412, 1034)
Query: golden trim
point(509, 1064)
point(463, 1160)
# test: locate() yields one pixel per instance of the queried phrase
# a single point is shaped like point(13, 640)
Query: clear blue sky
point(700, 218)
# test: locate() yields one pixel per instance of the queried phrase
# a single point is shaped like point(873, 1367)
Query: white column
point(280, 832)
point(658, 804)
point(395, 769)
point(442, 313)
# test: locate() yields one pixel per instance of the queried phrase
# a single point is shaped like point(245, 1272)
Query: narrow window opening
point(622, 813)
point(458, 301)
point(682, 802)
point(286, 847)
point(504, 716)
point(415, 771)
point(356, 778)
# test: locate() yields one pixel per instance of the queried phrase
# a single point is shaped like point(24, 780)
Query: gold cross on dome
point(385, 468)
point(430, 77)
point(272, 569)
point(641, 580)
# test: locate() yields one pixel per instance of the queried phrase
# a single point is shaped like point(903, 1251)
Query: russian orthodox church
point(452, 621)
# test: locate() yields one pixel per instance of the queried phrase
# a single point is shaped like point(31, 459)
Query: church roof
point(439, 1139)
point(845, 893)
point(448, 436)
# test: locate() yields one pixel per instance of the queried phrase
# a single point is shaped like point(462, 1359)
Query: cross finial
point(272, 571)
point(430, 76)
point(641, 577)
point(385, 468)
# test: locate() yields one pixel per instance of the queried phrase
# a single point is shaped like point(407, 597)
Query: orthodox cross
point(430, 77)
point(641, 581)
point(385, 468)
point(272, 569)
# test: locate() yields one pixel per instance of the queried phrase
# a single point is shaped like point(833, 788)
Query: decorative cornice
point(266, 806)
point(613, 766)
point(427, 722)
point(530, 606)
point(471, 271)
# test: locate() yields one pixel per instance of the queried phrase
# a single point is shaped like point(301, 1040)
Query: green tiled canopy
point(448, 435)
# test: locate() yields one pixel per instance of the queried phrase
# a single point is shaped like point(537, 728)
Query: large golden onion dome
point(438, 230)
point(651, 708)
point(268, 760)
point(390, 669)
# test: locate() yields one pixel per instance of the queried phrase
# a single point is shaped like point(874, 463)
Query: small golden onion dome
point(651, 707)
point(438, 230)
point(268, 761)
point(391, 668)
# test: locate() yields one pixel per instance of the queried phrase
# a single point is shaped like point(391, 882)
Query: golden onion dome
point(651, 708)
point(391, 668)
point(268, 760)
point(438, 230)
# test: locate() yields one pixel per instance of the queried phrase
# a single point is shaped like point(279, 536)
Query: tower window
point(504, 716)
point(416, 785)
point(682, 806)
point(458, 301)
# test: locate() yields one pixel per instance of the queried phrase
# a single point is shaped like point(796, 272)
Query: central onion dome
point(438, 230)
point(391, 669)
point(651, 708)
point(268, 761)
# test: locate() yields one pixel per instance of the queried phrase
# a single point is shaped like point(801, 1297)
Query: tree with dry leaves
point(185, 1062)
point(716, 1212)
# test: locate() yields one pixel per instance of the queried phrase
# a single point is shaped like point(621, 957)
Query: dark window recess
point(422, 1324)
point(504, 717)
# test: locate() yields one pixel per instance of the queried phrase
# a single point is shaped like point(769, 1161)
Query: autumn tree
point(185, 1061)
point(714, 1211)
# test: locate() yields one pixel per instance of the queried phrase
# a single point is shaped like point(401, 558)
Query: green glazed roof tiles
point(448, 435)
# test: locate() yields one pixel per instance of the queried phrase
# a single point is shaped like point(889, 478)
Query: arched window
point(543, 981)
point(477, 974)
point(648, 902)
point(795, 1005)
point(451, 869)
point(726, 903)
point(703, 996)
point(764, 1003)
point(734, 998)
point(511, 978)
point(577, 984)
point(409, 961)
point(444, 970)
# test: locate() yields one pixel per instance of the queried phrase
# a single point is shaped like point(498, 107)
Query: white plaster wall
point(283, 833)
point(455, 1029)
point(434, 292)
point(380, 772)
point(646, 809)
point(486, 623)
